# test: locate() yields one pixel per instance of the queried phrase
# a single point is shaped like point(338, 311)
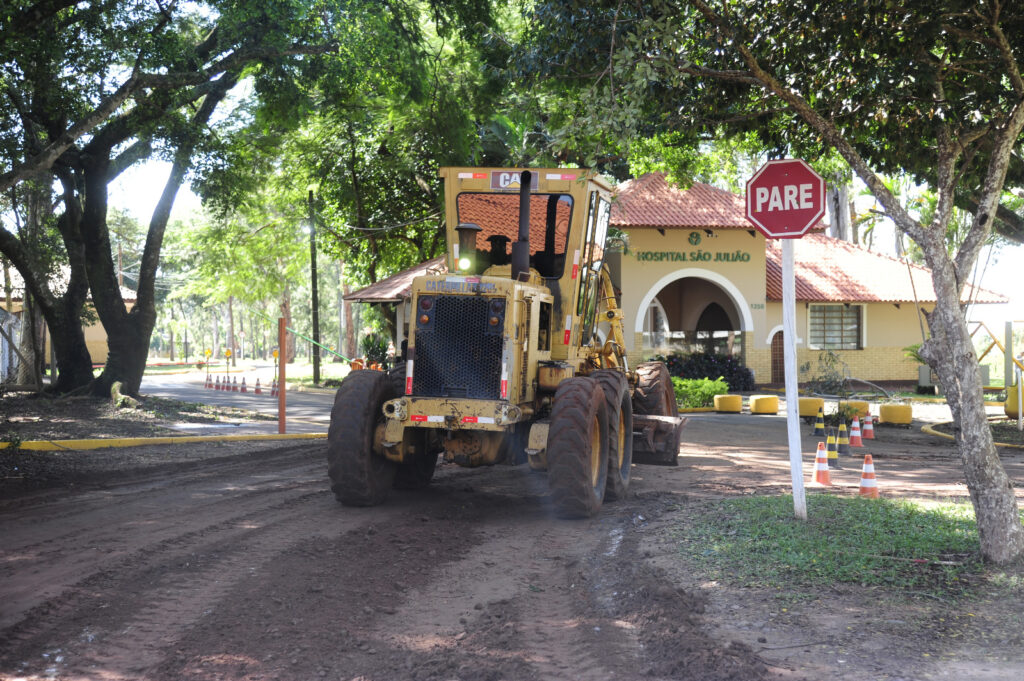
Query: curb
point(82, 445)
point(928, 430)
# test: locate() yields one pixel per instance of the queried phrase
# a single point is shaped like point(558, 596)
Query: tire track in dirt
point(64, 546)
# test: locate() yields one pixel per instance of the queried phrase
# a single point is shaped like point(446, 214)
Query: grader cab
point(514, 356)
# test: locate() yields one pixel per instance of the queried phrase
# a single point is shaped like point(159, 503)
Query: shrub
point(375, 348)
point(692, 393)
point(706, 365)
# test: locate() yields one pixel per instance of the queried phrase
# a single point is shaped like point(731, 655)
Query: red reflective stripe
point(469, 419)
point(419, 417)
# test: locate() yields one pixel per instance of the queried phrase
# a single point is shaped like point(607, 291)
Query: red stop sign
point(785, 198)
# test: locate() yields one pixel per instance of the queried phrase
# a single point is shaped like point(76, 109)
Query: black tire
point(577, 448)
point(358, 476)
point(417, 473)
point(620, 431)
point(397, 378)
point(654, 395)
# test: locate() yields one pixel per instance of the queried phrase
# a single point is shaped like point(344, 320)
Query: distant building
point(697, 276)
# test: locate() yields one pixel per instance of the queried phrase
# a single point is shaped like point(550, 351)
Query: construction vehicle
point(514, 355)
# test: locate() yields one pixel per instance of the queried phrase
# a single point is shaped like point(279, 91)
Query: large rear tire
point(654, 395)
point(620, 430)
point(577, 448)
point(359, 477)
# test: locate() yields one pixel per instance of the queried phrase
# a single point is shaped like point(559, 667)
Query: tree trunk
point(231, 329)
point(349, 342)
point(950, 353)
point(28, 346)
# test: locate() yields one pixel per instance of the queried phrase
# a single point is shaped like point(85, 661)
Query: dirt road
point(244, 567)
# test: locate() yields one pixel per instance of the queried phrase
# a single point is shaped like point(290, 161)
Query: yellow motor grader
point(514, 355)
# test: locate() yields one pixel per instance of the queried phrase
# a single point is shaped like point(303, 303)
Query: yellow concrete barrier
point(809, 406)
point(764, 404)
point(1010, 406)
point(863, 409)
point(895, 413)
point(729, 403)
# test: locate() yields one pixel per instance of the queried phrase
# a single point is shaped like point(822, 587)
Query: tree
point(930, 89)
point(114, 83)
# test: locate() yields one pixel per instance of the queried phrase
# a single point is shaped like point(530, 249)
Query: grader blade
point(656, 439)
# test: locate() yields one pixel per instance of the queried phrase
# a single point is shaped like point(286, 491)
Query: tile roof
point(498, 215)
point(650, 201)
point(397, 287)
point(835, 271)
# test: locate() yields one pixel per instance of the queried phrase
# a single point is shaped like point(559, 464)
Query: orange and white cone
point(257, 390)
point(273, 388)
point(855, 440)
point(821, 476)
point(234, 385)
point(868, 484)
point(869, 427)
point(217, 386)
point(244, 390)
point(209, 382)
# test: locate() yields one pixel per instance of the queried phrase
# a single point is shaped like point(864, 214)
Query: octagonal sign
point(785, 198)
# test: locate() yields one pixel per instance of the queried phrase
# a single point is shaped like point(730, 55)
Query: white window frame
point(861, 332)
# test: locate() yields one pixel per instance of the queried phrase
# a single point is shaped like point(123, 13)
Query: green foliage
point(706, 365)
point(906, 545)
point(914, 352)
point(692, 393)
point(375, 348)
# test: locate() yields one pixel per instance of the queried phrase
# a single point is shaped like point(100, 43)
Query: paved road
point(306, 411)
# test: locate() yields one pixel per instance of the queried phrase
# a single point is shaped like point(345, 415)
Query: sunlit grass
point(757, 541)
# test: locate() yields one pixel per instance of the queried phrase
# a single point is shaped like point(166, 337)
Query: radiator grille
point(460, 355)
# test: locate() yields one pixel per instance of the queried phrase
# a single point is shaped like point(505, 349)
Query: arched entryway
point(694, 311)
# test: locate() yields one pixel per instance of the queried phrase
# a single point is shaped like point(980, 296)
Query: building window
point(836, 327)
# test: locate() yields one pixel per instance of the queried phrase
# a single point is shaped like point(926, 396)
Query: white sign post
point(785, 199)
point(792, 395)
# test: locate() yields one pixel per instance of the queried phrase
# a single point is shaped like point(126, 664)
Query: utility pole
point(316, 299)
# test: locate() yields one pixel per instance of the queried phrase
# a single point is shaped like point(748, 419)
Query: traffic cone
point(821, 476)
point(868, 484)
point(832, 452)
point(209, 382)
point(257, 390)
point(273, 388)
point(844, 440)
point(243, 385)
point(855, 440)
point(869, 427)
point(217, 387)
point(234, 385)
point(819, 423)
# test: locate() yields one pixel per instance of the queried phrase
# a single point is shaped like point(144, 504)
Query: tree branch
point(995, 176)
point(825, 128)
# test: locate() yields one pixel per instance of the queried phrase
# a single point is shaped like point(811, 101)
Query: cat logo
point(508, 180)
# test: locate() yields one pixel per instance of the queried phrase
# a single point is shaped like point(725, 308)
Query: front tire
point(359, 477)
point(577, 448)
point(654, 395)
point(620, 431)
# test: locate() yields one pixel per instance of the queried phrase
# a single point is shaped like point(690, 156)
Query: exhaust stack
point(521, 248)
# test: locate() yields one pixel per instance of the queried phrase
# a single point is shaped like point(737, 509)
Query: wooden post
point(282, 360)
